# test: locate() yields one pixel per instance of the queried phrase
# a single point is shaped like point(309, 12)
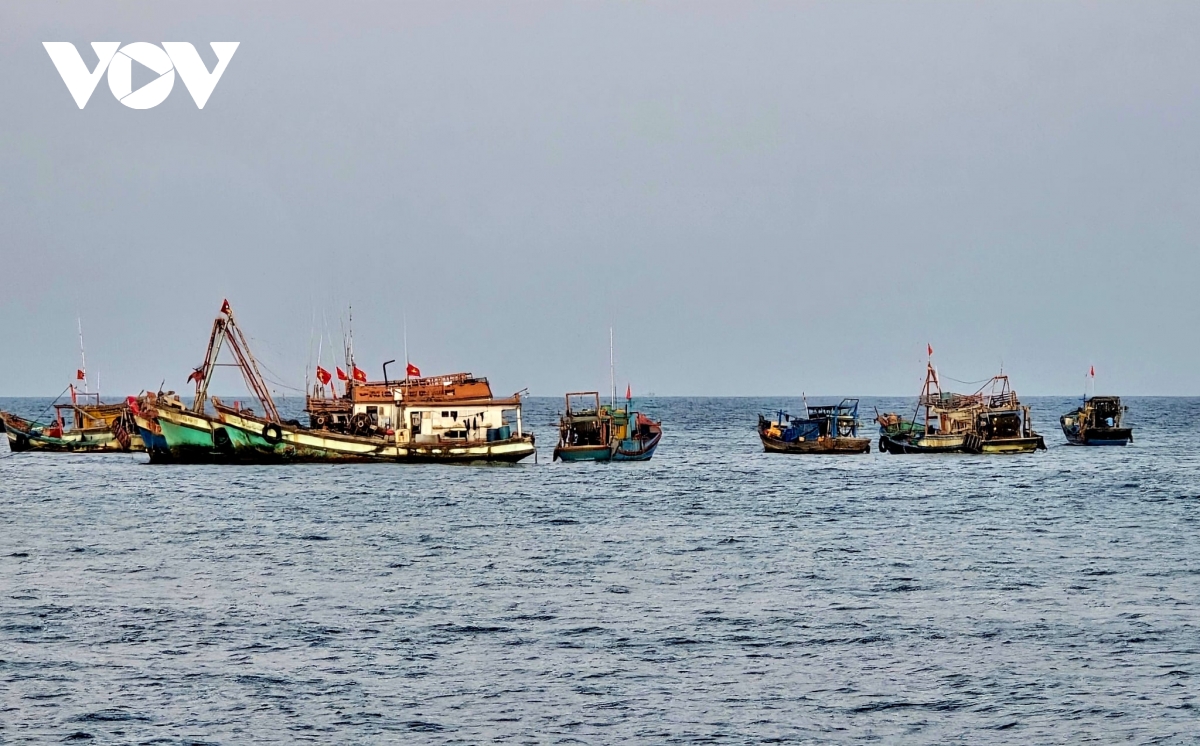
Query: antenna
point(82, 356)
point(612, 372)
point(405, 345)
point(320, 348)
point(351, 307)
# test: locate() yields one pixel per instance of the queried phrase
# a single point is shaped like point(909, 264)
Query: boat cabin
point(1104, 411)
point(587, 422)
point(464, 420)
point(822, 421)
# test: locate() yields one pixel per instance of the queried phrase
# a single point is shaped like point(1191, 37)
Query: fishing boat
point(1003, 424)
point(823, 429)
point(1097, 422)
point(188, 433)
point(991, 420)
point(940, 423)
point(144, 409)
point(439, 419)
point(82, 425)
point(591, 431)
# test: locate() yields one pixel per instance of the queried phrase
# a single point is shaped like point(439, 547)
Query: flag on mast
point(341, 374)
point(412, 371)
point(359, 374)
point(929, 349)
point(1092, 371)
point(323, 376)
point(628, 392)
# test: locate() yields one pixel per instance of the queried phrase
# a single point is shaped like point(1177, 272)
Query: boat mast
point(612, 372)
point(82, 355)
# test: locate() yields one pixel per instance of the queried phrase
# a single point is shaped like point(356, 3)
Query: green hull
point(189, 440)
point(297, 445)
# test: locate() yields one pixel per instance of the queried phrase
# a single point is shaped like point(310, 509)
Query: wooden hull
point(583, 453)
point(1011, 445)
point(257, 441)
point(919, 443)
point(624, 450)
point(1093, 436)
point(191, 438)
point(637, 450)
point(151, 434)
point(26, 435)
point(822, 445)
point(1111, 436)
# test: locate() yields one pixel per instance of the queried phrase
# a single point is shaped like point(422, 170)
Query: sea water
point(716, 594)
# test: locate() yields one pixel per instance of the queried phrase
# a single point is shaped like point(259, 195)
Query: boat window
point(453, 415)
point(445, 414)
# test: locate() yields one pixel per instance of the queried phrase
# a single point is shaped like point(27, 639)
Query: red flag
point(359, 374)
point(323, 376)
point(929, 349)
point(413, 371)
point(1092, 372)
point(79, 376)
point(628, 393)
point(131, 402)
point(341, 374)
point(196, 376)
point(225, 309)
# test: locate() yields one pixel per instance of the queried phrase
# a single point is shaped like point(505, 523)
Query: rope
point(50, 405)
point(969, 383)
point(42, 414)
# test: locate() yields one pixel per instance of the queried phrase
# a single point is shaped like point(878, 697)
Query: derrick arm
point(249, 367)
point(210, 360)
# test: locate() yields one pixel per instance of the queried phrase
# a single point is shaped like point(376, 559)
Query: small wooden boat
point(823, 429)
point(590, 431)
point(83, 425)
point(1097, 423)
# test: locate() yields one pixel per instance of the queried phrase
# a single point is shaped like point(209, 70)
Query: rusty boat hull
point(820, 445)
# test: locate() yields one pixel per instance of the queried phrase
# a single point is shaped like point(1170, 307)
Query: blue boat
point(591, 431)
point(823, 429)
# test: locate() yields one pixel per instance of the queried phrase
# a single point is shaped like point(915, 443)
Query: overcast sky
point(760, 198)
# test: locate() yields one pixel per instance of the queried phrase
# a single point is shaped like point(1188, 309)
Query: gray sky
point(761, 198)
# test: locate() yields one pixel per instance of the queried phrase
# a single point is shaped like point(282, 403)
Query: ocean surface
point(716, 594)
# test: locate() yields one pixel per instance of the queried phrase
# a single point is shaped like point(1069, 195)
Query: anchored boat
point(1003, 424)
point(188, 433)
point(82, 425)
point(590, 431)
point(934, 426)
point(991, 420)
point(823, 429)
point(1098, 422)
point(448, 419)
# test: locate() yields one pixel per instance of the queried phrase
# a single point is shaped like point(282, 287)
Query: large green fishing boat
point(189, 433)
